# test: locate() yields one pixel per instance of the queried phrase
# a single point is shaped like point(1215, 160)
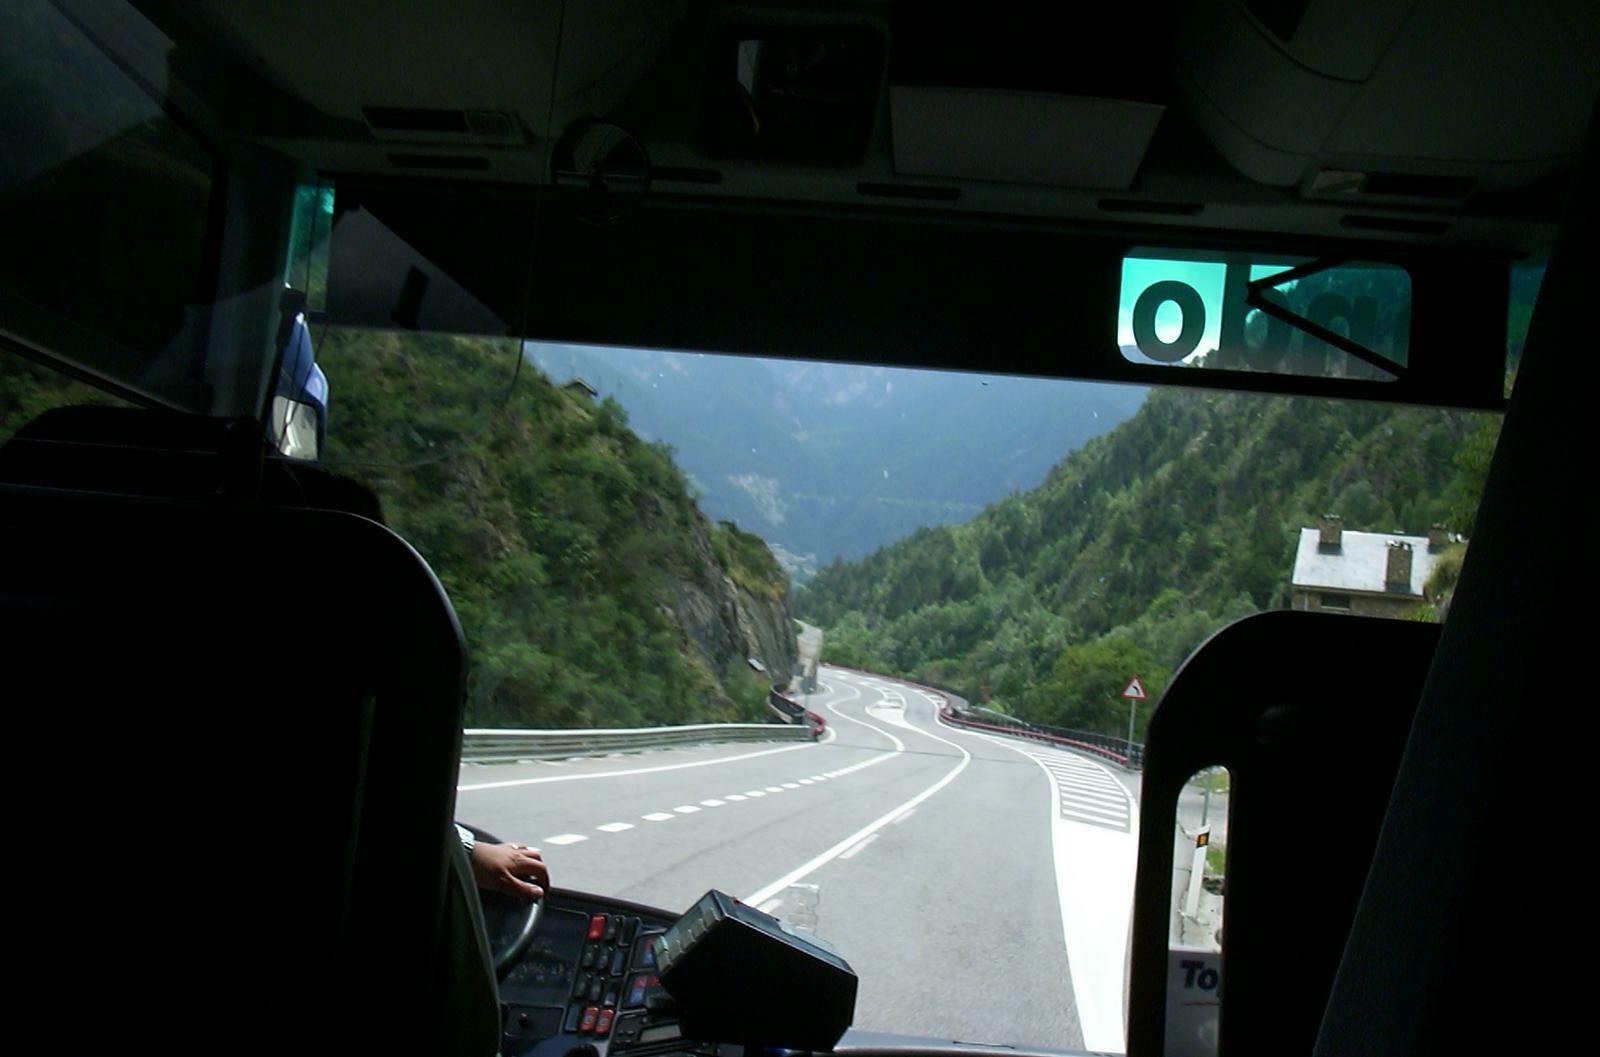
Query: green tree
point(1086, 681)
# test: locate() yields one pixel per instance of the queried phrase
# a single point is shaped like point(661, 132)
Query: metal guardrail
point(792, 711)
point(960, 711)
point(1118, 750)
point(481, 745)
point(1103, 743)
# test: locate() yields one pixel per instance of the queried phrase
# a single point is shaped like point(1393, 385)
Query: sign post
point(1197, 873)
point(1134, 692)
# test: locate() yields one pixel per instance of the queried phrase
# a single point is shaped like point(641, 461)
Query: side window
point(27, 390)
point(104, 207)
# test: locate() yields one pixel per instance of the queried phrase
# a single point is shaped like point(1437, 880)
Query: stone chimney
point(1398, 573)
point(1330, 532)
point(1437, 538)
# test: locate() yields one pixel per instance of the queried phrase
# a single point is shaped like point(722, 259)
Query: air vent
point(1400, 225)
point(915, 192)
point(452, 162)
point(442, 125)
point(1345, 183)
point(1165, 209)
point(489, 123)
point(685, 175)
point(415, 119)
point(1407, 185)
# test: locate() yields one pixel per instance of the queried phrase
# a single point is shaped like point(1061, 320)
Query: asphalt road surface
point(980, 886)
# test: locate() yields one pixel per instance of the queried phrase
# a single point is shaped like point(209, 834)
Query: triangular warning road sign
point(1135, 690)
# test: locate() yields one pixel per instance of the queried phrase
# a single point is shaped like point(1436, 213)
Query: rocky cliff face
point(729, 621)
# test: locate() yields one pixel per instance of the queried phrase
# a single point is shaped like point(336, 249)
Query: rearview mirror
point(297, 428)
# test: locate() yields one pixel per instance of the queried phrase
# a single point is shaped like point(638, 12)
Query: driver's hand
point(512, 869)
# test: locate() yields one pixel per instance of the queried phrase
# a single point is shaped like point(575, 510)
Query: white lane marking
point(565, 838)
point(774, 789)
point(1108, 797)
point(870, 828)
point(1073, 812)
point(899, 746)
point(1095, 869)
point(686, 809)
point(614, 827)
point(630, 771)
point(1082, 767)
point(808, 781)
point(791, 785)
point(905, 816)
point(711, 802)
point(658, 816)
point(819, 778)
point(870, 761)
point(735, 797)
point(1088, 803)
point(1089, 784)
point(754, 793)
point(1085, 811)
point(770, 905)
point(855, 848)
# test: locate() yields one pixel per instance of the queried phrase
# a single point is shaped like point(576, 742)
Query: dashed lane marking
point(630, 771)
point(855, 849)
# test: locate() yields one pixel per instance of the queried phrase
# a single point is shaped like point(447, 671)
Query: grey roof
point(1359, 564)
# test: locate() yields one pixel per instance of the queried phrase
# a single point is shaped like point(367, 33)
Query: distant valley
point(828, 461)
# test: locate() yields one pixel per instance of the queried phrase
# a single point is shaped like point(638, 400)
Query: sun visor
point(429, 259)
point(1020, 137)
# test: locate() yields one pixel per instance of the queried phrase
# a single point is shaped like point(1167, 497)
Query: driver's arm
point(511, 869)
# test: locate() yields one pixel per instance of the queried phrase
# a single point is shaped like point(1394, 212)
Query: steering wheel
point(509, 922)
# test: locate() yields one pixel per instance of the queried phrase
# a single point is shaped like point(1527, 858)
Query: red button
point(597, 926)
point(590, 1015)
point(603, 1025)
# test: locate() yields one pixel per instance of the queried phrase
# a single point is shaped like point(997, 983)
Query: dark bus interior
point(932, 185)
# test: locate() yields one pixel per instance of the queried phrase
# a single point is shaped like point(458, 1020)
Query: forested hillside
point(830, 459)
point(591, 589)
point(1140, 545)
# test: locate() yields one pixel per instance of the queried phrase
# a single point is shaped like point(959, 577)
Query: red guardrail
point(795, 710)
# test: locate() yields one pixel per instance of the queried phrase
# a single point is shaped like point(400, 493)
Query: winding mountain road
point(979, 885)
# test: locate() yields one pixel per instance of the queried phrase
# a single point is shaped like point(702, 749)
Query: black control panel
point(590, 978)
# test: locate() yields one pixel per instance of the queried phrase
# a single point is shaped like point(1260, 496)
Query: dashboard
point(588, 985)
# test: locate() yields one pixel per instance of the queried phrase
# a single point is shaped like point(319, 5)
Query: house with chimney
point(1377, 574)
